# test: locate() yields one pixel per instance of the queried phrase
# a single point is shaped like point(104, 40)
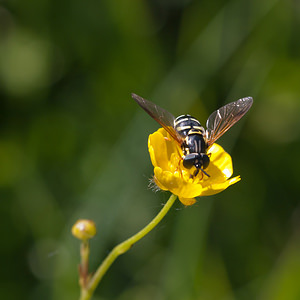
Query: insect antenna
point(205, 172)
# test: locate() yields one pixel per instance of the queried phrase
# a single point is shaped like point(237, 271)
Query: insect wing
point(225, 117)
point(160, 115)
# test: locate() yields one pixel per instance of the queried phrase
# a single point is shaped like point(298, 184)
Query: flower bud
point(84, 229)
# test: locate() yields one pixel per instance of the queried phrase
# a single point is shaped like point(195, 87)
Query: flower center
point(176, 167)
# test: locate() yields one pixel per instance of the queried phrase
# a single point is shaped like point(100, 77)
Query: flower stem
point(84, 265)
point(87, 292)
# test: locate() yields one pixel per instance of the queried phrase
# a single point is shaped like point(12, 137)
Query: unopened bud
point(84, 229)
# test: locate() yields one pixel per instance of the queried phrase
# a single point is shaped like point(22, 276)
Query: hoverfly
point(193, 139)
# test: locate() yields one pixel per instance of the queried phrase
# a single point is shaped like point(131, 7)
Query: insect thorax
point(192, 132)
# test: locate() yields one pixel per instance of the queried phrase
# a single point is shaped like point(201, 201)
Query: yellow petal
point(216, 188)
point(175, 184)
point(187, 201)
point(161, 148)
point(157, 175)
point(220, 166)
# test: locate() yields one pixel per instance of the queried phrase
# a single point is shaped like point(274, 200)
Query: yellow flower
point(170, 175)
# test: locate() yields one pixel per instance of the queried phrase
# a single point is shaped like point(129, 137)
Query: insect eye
point(205, 161)
point(189, 160)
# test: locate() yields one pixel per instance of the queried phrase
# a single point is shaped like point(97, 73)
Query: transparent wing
point(225, 117)
point(160, 115)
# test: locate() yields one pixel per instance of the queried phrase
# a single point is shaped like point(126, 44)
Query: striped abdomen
point(192, 132)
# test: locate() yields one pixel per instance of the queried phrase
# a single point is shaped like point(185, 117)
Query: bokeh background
point(73, 144)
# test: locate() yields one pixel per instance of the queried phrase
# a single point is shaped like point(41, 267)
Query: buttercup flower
point(170, 175)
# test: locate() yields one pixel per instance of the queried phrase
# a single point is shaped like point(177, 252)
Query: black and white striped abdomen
point(192, 132)
point(183, 124)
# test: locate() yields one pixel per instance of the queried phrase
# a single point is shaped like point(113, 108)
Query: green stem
point(87, 293)
point(84, 265)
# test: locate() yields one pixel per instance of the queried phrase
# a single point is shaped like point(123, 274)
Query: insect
point(193, 139)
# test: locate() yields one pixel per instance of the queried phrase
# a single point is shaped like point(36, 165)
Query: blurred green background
point(73, 144)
